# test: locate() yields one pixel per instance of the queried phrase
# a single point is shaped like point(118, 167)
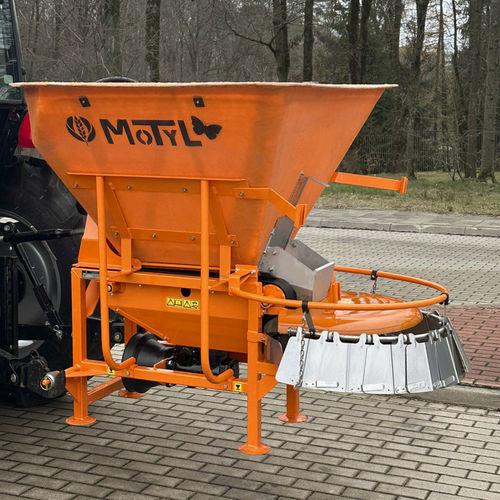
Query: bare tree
point(153, 8)
point(414, 85)
point(111, 53)
point(308, 40)
point(281, 48)
point(365, 15)
point(358, 38)
point(491, 95)
point(352, 31)
point(475, 16)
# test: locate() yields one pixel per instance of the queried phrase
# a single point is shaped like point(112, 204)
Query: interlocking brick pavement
point(479, 329)
point(352, 446)
point(182, 442)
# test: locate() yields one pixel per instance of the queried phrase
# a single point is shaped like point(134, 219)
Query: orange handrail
point(235, 290)
point(204, 291)
point(103, 282)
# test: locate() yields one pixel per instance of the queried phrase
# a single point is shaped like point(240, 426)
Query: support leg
point(292, 415)
point(77, 386)
point(254, 445)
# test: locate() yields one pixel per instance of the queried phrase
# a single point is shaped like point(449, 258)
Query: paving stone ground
point(479, 329)
point(182, 442)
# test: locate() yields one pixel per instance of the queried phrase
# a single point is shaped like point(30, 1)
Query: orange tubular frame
point(103, 281)
point(260, 377)
point(234, 288)
point(204, 291)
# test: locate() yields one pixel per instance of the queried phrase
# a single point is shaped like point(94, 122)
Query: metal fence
point(378, 153)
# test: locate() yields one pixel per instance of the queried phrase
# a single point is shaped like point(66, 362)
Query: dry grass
point(432, 192)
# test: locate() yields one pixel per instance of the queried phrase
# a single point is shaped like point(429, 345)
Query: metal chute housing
point(402, 363)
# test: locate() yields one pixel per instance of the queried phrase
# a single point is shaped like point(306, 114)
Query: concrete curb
point(410, 222)
point(463, 395)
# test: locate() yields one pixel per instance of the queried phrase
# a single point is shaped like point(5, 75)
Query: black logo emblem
point(200, 128)
point(80, 128)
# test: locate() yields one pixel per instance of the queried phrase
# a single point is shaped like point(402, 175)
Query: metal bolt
point(242, 194)
point(263, 339)
point(232, 242)
point(192, 238)
point(212, 292)
point(75, 185)
point(129, 187)
point(115, 233)
point(271, 268)
point(140, 286)
point(184, 190)
point(153, 235)
point(127, 373)
point(237, 269)
point(111, 294)
point(252, 271)
point(13, 378)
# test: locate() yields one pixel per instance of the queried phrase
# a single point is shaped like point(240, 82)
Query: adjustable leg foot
point(292, 415)
point(88, 420)
point(130, 395)
point(250, 449)
point(292, 419)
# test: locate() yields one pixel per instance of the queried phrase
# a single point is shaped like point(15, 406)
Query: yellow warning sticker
point(237, 387)
point(109, 371)
point(183, 303)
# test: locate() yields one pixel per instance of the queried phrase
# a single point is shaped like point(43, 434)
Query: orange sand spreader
point(195, 193)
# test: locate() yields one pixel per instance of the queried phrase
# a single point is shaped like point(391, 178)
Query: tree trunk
point(491, 95)
point(281, 49)
point(352, 31)
point(56, 50)
point(475, 15)
point(111, 56)
point(396, 14)
point(440, 93)
point(153, 39)
point(308, 40)
point(413, 89)
point(365, 15)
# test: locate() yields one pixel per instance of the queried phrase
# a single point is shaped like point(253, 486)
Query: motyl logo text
point(145, 132)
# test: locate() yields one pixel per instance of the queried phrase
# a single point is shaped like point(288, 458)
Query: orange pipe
point(204, 291)
point(103, 281)
point(354, 307)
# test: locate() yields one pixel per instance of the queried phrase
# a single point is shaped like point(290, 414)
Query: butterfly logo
point(200, 128)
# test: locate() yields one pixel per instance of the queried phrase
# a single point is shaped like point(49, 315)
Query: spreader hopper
point(195, 193)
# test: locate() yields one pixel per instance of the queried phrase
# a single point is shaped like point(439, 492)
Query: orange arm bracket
point(295, 212)
point(368, 181)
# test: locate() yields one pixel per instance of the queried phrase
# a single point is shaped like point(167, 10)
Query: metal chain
point(300, 334)
point(374, 277)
